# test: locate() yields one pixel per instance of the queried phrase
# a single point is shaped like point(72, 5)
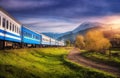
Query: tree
point(67, 42)
point(79, 42)
point(115, 40)
point(95, 41)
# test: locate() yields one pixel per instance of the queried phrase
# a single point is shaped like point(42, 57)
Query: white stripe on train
point(9, 36)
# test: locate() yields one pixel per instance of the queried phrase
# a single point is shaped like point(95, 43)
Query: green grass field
point(43, 63)
point(104, 58)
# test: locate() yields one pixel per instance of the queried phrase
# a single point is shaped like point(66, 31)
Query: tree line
point(96, 41)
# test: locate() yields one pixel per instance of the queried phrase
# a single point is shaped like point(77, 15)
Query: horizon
point(62, 15)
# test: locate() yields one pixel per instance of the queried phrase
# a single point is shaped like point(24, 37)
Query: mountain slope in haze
point(52, 35)
point(87, 25)
point(55, 35)
point(82, 29)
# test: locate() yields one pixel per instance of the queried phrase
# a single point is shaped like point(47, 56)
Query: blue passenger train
point(30, 38)
point(45, 40)
point(15, 35)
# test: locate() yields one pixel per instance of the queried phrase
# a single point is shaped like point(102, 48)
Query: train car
point(56, 42)
point(30, 38)
point(61, 43)
point(45, 40)
point(15, 35)
point(10, 30)
point(52, 42)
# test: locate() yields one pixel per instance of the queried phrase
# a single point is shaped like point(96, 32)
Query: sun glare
point(114, 21)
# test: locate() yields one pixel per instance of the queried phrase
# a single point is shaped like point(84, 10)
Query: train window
point(37, 37)
point(23, 33)
point(4, 22)
point(7, 24)
point(10, 25)
point(13, 28)
point(16, 29)
point(0, 20)
point(34, 36)
point(30, 35)
point(19, 30)
point(26, 34)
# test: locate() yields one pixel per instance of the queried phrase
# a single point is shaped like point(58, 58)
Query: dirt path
point(75, 56)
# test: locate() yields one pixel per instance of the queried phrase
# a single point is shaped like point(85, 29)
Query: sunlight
point(114, 21)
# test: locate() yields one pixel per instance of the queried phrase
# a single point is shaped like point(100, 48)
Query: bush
point(67, 43)
point(95, 41)
point(79, 42)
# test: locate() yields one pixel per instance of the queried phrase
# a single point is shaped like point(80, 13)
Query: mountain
point(82, 29)
point(53, 35)
point(87, 25)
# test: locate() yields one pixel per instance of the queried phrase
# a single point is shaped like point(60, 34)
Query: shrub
point(95, 41)
point(67, 42)
point(79, 42)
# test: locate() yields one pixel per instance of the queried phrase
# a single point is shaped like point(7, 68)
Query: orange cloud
point(112, 19)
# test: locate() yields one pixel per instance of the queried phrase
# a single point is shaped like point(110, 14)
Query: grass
point(43, 63)
point(103, 58)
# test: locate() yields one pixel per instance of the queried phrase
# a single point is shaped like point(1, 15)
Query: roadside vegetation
point(93, 41)
point(43, 63)
point(100, 47)
point(68, 43)
point(102, 58)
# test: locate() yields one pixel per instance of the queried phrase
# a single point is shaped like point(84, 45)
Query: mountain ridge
point(82, 29)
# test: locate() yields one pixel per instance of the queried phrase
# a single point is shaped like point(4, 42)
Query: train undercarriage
point(14, 45)
point(9, 45)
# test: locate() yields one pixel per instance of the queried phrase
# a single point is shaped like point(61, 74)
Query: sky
point(60, 16)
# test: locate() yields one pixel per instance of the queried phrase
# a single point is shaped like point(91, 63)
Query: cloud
point(25, 4)
point(54, 15)
point(49, 25)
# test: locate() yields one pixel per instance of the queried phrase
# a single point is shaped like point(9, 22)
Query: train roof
point(45, 35)
point(3, 10)
point(53, 39)
point(30, 29)
point(49, 37)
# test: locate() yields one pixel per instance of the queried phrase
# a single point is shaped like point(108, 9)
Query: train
point(14, 34)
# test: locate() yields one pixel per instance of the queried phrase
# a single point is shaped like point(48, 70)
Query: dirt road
point(75, 56)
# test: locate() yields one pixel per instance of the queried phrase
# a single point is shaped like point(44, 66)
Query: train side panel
point(56, 43)
point(45, 40)
point(61, 43)
point(53, 42)
point(30, 37)
point(10, 30)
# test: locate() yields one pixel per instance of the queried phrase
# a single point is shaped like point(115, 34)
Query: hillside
point(43, 63)
point(53, 35)
point(109, 29)
point(82, 29)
